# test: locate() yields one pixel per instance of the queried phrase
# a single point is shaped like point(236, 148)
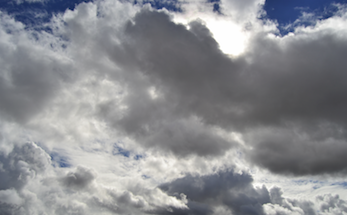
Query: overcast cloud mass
point(116, 107)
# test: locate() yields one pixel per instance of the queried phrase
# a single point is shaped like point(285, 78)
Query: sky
point(182, 107)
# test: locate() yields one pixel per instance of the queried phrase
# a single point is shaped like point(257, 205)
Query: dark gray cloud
point(176, 63)
point(301, 79)
point(235, 192)
point(301, 90)
point(184, 65)
point(293, 152)
point(79, 179)
point(8, 209)
point(292, 87)
point(232, 190)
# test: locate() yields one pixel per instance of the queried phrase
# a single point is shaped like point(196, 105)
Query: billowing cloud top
point(120, 108)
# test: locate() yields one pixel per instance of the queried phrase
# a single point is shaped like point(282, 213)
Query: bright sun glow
point(230, 37)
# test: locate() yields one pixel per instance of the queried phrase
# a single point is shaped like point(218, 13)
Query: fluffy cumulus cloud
point(115, 107)
point(332, 204)
point(30, 185)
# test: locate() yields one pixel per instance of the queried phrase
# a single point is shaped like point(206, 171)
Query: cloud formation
point(30, 185)
point(227, 189)
point(301, 102)
point(151, 116)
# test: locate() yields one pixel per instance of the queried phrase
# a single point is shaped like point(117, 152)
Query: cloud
point(79, 179)
point(231, 190)
point(30, 184)
point(304, 98)
point(274, 88)
point(116, 76)
point(235, 193)
point(281, 205)
point(332, 204)
point(174, 62)
point(31, 71)
point(21, 165)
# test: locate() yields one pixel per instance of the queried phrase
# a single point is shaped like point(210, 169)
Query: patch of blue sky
point(341, 184)
point(34, 14)
point(57, 157)
point(170, 5)
point(315, 187)
point(316, 184)
point(216, 6)
point(309, 181)
point(59, 160)
point(289, 14)
point(117, 150)
point(138, 157)
point(145, 177)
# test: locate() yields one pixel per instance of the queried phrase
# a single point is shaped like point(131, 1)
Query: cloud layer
point(119, 108)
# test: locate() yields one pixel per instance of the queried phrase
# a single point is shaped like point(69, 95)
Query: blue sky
point(284, 11)
point(216, 107)
point(288, 11)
